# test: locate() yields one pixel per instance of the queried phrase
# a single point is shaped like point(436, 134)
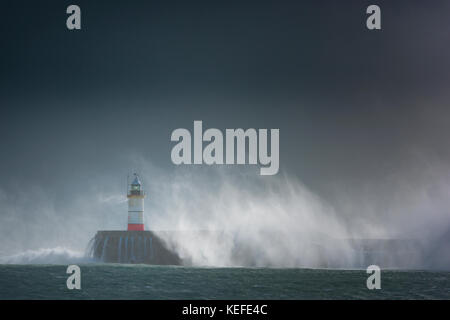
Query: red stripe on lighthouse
point(135, 227)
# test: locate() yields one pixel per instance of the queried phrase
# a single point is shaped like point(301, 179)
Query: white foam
point(57, 255)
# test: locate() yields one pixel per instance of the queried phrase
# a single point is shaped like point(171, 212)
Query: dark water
point(115, 281)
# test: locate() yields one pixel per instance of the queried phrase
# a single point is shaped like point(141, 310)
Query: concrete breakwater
point(165, 247)
point(131, 247)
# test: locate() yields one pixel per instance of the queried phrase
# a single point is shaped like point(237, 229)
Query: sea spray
point(57, 255)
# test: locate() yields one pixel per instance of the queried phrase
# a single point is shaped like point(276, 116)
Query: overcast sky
point(352, 105)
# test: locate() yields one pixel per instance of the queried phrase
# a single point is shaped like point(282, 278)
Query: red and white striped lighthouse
point(136, 197)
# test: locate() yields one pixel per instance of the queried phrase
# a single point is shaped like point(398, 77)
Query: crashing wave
point(57, 255)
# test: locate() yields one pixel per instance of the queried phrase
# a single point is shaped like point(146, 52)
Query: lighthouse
point(136, 197)
point(135, 245)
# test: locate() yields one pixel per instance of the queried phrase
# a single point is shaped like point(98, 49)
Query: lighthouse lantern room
point(136, 197)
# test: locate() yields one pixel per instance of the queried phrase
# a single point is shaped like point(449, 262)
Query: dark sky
point(352, 105)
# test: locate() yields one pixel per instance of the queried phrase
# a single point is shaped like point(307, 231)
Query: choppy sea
point(121, 281)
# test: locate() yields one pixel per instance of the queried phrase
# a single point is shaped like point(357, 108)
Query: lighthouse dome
point(136, 181)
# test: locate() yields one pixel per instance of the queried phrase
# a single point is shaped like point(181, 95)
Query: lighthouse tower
point(136, 197)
